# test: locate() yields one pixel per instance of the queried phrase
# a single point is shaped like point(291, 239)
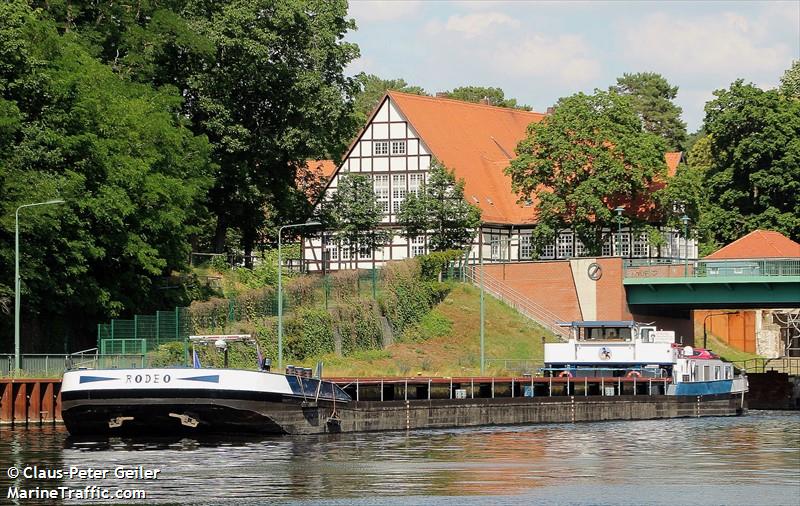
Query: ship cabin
point(611, 349)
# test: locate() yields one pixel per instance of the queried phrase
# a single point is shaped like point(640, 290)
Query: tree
point(590, 156)
point(354, 214)
point(754, 178)
point(134, 178)
point(263, 80)
point(790, 82)
point(652, 98)
point(440, 211)
point(372, 89)
point(475, 94)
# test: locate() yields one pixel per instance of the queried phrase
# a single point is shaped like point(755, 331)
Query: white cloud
point(370, 11)
point(721, 46)
point(472, 25)
point(567, 58)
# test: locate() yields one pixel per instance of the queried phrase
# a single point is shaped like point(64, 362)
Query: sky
point(538, 52)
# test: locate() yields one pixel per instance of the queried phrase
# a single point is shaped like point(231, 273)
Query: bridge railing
point(675, 268)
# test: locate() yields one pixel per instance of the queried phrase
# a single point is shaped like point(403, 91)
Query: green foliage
point(580, 163)
point(476, 94)
point(434, 264)
point(355, 215)
point(168, 354)
point(754, 178)
point(434, 324)
point(249, 306)
point(122, 156)
point(359, 326)
point(652, 98)
point(440, 211)
point(371, 89)
point(790, 82)
point(309, 332)
point(405, 300)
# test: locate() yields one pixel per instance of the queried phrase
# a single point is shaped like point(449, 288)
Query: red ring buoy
point(633, 374)
point(563, 374)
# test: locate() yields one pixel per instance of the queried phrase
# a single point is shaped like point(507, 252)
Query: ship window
point(716, 373)
point(686, 377)
point(706, 372)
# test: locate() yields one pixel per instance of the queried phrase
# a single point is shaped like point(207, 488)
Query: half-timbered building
point(477, 141)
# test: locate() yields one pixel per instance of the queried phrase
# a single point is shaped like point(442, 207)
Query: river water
point(748, 460)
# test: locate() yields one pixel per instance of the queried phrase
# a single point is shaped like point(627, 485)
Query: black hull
point(289, 415)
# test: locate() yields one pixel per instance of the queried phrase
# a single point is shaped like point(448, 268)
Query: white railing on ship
point(518, 301)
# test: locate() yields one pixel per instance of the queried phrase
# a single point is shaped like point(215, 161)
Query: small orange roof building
point(758, 244)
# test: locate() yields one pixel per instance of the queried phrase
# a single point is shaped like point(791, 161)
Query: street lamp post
point(685, 220)
point(16, 278)
point(280, 287)
point(705, 335)
point(619, 210)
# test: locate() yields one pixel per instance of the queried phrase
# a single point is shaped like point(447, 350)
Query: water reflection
point(743, 460)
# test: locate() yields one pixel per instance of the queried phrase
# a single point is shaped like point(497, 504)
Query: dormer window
point(380, 148)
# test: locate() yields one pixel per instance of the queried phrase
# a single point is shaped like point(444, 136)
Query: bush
point(359, 326)
point(434, 264)
point(168, 354)
point(309, 332)
point(344, 283)
point(406, 299)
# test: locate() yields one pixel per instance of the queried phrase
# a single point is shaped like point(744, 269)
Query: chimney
point(485, 101)
point(551, 110)
point(441, 94)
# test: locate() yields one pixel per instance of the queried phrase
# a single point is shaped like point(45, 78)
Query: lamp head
point(619, 210)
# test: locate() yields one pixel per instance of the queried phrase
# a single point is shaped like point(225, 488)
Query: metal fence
point(53, 365)
point(675, 268)
point(517, 300)
point(790, 366)
point(144, 332)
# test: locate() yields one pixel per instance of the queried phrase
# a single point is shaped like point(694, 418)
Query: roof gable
point(759, 244)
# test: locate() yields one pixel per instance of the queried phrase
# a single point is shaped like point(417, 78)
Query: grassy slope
point(728, 353)
point(452, 344)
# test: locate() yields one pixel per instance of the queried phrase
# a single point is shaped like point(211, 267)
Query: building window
point(333, 252)
point(418, 246)
point(398, 147)
point(623, 249)
point(565, 245)
point(364, 252)
point(398, 191)
point(548, 250)
point(415, 183)
point(641, 246)
point(580, 249)
point(525, 249)
point(380, 148)
point(380, 184)
point(607, 247)
point(345, 253)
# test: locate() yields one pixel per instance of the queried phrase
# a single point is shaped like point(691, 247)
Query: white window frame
point(380, 148)
point(564, 245)
point(548, 250)
point(580, 249)
point(364, 252)
point(380, 185)
point(624, 249)
point(525, 247)
point(608, 247)
point(641, 246)
point(333, 252)
point(399, 191)
point(399, 147)
point(418, 246)
point(415, 182)
point(494, 246)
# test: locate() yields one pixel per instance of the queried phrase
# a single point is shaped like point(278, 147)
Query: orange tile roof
point(673, 159)
point(477, 141)
point(312, 178)
point(759, 244)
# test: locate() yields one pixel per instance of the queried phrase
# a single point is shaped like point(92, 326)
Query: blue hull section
point(704, 387)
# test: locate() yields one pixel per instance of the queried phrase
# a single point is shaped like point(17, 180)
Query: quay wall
point(30, 400)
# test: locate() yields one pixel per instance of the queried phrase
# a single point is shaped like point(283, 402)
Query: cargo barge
point(623, 371)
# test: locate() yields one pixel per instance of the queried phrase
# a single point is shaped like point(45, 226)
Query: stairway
point(524, 305)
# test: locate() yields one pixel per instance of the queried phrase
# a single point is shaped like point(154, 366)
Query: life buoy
point(633, 374)
point(565, 374)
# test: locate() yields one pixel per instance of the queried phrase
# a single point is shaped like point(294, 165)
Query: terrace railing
point(790, 366)
point(676, 268)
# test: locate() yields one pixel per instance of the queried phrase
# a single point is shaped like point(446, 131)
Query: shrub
point(434, 264)
point(406, 299)
point(359, 325)
point(168, 354)
point(309, 332)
